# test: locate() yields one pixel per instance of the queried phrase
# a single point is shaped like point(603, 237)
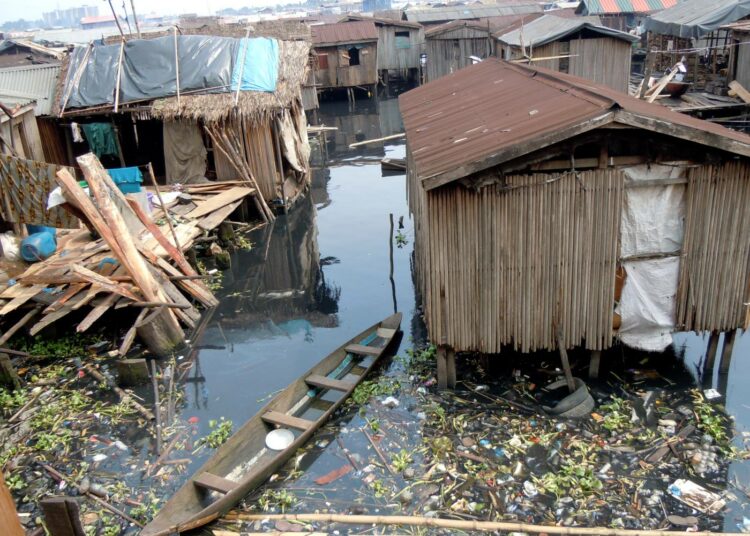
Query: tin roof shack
point(399, 46)
point(452, 46)
point(15, 52)
point(739, 54)
point(37, 83)
point(623, 15)
point(697, 30)
point(574, 46)
point(531, 190)
point(346, 55)
point(432, 16)
point(199, 106)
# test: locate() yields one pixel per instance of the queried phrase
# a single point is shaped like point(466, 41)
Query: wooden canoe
point(244, 462)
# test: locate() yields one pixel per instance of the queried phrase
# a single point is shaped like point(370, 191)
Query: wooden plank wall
point(340, 74)
point(25, 135)
point(446, 56)
point(398, 59)
point(508, 265)
point(550, 50)
point(715, 261)
point(742, 53)
point(604, 60)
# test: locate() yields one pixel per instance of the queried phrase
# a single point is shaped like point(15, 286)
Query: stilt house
point(399, 45)
point(573, 46)
point(536, 194)
point(623, 15)
point(346, 55)
point(196, 107)
point(454, 45)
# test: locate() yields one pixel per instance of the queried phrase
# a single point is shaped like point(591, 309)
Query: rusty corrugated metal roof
point(494, 111)
point(613, 7)
point(344, 32)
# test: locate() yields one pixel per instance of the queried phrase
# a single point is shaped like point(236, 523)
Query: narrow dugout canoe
point(244, 461)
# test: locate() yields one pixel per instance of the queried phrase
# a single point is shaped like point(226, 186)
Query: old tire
point(577, 404)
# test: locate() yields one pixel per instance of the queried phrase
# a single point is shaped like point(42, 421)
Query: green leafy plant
point(378, 488)
point(280, 499)
point(401, 460)
point(15, 482)
point(709, 420)
point(617, 415)
point(369, 388)
point(220, 432)
point(401, 239)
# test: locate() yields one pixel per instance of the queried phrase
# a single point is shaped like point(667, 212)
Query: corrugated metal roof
point(551, 28)
point(31, 83)
point(611, 7)
point(494, 111)
point(439, 14)
point(695, 18)
point(344, 32)
point(480, 25)
point(380, 20)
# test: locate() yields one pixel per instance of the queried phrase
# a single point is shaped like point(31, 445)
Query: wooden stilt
point(726, 352)
point(451, 368)
point(8, 515)
point(61, 516)
point(596, 356)
point(8, 375)
point(713, 346)
point(442, 367)
point(565, 363)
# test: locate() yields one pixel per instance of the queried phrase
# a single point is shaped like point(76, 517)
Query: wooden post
point(8, 375)
point(442, 367)
point(132, 372)
point(713, 346)
point(451, 368)
point(596, 356)
point(8, 515)
point(565, 362)
point(726, 352)
point(61, 516)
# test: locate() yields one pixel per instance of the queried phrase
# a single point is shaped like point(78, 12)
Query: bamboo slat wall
point(513, 264)
point(715, 261)
point(604, 60)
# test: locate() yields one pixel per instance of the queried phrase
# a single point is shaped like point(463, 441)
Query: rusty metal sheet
point(479, 111)
point(25, 186)
point(344, 32)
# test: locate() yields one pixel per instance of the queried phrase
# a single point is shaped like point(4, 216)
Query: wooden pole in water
point(726, 352)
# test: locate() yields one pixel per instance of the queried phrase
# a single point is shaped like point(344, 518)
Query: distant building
point(103, 21)
point(370, 6)
point(626, 14)
point(70, 17)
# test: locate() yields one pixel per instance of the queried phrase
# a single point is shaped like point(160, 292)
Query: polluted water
point(657, 449)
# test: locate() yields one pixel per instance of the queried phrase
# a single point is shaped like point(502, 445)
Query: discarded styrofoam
point(696, 496)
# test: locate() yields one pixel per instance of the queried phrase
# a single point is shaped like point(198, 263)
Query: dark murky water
point(321, 274)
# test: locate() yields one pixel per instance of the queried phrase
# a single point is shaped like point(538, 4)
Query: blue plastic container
point(38, 246)
point(127, 179)
point(33, 229)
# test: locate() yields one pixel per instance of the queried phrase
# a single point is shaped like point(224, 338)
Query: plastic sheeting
point(652, 223)
point(149, 69)
point(258, 61)
point(648, 303)
point(696, 18)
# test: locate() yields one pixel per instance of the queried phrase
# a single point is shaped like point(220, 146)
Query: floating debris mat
point(136, 261)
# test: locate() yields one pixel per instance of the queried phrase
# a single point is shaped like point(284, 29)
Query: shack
point(432, 16)
point(533, 192)
point(19, 135)
point(697, 30)
point(197, 107)
point(15, 52)
point(573, 46)
point(399, 46)
point(346, 56)
point(623, 15)
point(739, 55)
point(454, 45)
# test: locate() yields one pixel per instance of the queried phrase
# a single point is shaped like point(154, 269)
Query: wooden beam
point(741, 92)
point(214, 483)
point(8, 515)
point(61, 516)
point(361, 349)
point(323, 382)
point(727, 351)
point(282, 419)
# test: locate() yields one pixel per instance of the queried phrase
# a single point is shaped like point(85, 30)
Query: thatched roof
point(253, 105)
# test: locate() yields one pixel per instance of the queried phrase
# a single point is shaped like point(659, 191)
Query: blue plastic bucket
point(33, 229)
point(38, 246)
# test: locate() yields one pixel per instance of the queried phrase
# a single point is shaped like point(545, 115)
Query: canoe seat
point(385, 333)
point(361, 349)
point(214, 483)
point(282, 419)
point(317, 380)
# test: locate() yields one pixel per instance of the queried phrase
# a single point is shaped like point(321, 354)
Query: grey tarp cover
point(550, 28)
point(695, 18)
point(149, 69)
point(184, 152)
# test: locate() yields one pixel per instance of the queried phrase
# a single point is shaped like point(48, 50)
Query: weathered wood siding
point(339, 73)
point(450, 51)
point(715, 262)
point(742, 53)
point(604, 60)
point(391, 57)
point(511, 265)
point(22, 132)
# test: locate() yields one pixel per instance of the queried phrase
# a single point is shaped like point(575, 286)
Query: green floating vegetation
point(220, 432)
point(383, 386)
point(73, 345)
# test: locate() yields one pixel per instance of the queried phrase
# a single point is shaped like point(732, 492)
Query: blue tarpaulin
point(258, 60)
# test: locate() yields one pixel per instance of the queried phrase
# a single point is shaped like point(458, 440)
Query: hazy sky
point(32, 9)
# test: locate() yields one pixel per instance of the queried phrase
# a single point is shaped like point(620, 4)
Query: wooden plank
point(741, 92)
point(24, 295)
point(218, 216)
point(361, 349)
point(8, 515)
point(214, 483)
point(284, 420)
point(385, 333)
point(317, 380)
point(97, 312)
point(18, 325)
point(221, 200)
point(55, 316)
point(61, 516)
point(102, 281)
